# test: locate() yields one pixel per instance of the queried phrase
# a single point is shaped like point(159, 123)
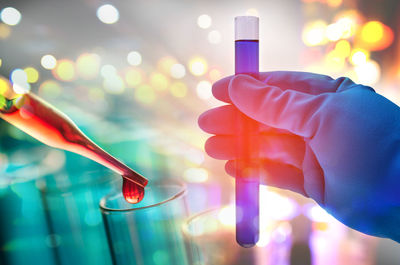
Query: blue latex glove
point(332, 140)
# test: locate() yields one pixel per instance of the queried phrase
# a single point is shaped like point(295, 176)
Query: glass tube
point(246, 185)
point(71, 200)
point(24, 235)
point(210, 236)
point(147, 233)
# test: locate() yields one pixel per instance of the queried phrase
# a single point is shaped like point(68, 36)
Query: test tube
point(210, 235)
point(24, 235)
point(247, 182)
point(70, 198)
point(149, 232)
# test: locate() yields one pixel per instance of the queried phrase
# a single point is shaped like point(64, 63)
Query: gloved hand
point(332, 140)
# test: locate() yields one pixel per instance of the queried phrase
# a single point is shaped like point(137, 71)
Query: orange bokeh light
point(375, 36)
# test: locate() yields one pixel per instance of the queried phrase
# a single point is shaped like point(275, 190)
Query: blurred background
point(134, 76)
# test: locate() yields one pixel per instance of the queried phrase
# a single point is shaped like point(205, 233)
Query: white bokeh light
point(108, 70)
point(134, 58)
point(368, 73)
point(204, 90)
point(204, 21)
point(108, 14)
point(19, 76)
point(178, 71)
point(114, 85)
point(10, 16)
point(214, 37)
point(19, 79)
point(48, 62)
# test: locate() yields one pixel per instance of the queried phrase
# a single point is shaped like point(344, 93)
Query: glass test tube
point(24, 235)
point(247, 183)
point(210, 236)
point(149, 232)
point(71, 199)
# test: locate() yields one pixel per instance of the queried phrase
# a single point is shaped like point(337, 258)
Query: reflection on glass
point(71, 200)
point(149, 232)
point(24, 236)
point(211, 237)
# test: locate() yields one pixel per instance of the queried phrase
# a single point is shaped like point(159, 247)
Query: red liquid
point(50, 126)
point(132, 193)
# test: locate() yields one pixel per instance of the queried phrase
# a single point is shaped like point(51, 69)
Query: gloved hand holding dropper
point(332, 140)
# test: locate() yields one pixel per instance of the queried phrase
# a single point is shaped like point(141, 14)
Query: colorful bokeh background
point(135, 75)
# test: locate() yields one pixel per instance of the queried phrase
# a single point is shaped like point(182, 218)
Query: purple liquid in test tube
point(247, 181)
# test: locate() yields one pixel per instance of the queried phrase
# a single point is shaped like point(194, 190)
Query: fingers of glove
point(283, 148)
point(220, 89)
point(224, 120)
point(314, 180)
point(290, 110)
point(309, 83)
point(274, 174)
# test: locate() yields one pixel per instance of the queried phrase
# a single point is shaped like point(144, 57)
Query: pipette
point(44, 122)
point(246, 182)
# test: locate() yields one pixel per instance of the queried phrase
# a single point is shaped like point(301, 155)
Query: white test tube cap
point(246, 28)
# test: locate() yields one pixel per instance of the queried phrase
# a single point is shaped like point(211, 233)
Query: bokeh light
point(159, 81)
point(10, 16)
point(227, 215)
point(18, 76)
point(334, 61)
point(32, 74)
point(368, 73)
point(334, 3)
point(134, 58)
point(165, 64)
point(214, 37)
point(145, 94)
point(359, 56)
point(348, 26)
point(198, 66)
point(50, 88)
point(114, 84)
point(108, 14)
point(5, 31)
point(204, 90)
point(372, 31)
point(19, 80)
point(64, 70)
point(88, 65)
point(133, 77)
point(252, 12)
point(375, 36)
point(196, 175)
point(48, 62)
point(333, 32)
point(279, 207)
point(178, 71)
point(317, 214)
point(314, 33)
point(343, 48)
point(5, 86)
point(204, 21)
point(108, 70)
point(178, 89)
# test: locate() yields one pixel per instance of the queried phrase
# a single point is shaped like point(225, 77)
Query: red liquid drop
point(132, 192)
